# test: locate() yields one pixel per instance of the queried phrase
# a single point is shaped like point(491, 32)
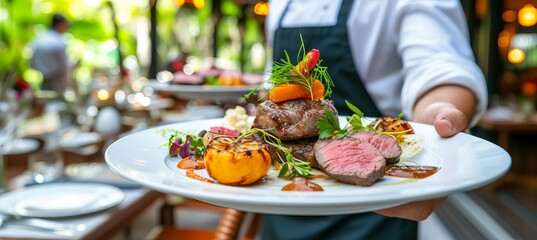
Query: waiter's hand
point(448, 120)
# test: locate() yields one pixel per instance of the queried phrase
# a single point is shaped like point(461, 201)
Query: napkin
point(55, 203)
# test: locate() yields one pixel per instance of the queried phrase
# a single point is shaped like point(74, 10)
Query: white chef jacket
point(419, 44)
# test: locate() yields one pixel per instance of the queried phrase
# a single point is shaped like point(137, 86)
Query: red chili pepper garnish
point(308, 63)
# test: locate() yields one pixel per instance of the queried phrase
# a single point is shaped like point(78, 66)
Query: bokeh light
point(527, 16)
point(504, 40)
point(262, 8)
point(515, 56)
point(509, 16)
point(103, 95)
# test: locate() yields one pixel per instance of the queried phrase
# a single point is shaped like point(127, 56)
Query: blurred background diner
point(125, 66)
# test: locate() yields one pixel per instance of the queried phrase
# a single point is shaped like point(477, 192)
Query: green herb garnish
point(291, 166)
point(329, 127)
point(356, 120)
point(196, 142)
point(284, 71)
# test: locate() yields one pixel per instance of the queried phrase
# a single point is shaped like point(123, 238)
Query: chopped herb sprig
point(284, 72)
point(329, 125)
point(290, 166)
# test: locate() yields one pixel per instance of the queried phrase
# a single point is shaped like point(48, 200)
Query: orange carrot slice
point(290, 91)
point(317, 90)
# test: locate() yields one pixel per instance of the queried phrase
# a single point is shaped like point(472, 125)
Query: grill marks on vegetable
point(236, 161)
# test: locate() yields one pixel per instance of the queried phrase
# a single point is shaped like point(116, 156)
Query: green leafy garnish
point(329, 127)
point(356, 120)
point(284, 71)
point(290, 166)
point(196, 142)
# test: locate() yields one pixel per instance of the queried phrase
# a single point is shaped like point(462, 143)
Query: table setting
point(69, 207)
point(53, 198)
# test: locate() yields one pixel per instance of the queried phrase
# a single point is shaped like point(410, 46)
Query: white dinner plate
point(203, 92)
point(466, 163)
point(22, 145)
point(60, 199)
point(77, 139)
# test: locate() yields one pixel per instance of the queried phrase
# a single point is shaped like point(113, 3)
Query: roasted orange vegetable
point(235, 161)
point(389, 124)
point(290, 91)
point(393, 126)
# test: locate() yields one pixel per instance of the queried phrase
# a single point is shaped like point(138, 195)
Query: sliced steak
point(293, 119)
point(388, 146)
point(350, 160)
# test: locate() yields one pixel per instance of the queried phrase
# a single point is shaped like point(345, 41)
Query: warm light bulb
point(504, 40)
point(262, 8)
point(509, 16)
point(103, 95)
point(198, 3)
point(527, 16)
point(515, 56)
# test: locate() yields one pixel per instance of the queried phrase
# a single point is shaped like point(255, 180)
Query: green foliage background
point(91, 36)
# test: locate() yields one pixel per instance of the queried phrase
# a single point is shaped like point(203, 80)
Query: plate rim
point(10, 207)
point(296, 198)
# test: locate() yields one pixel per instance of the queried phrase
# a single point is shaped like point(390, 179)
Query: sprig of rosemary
point(284, 71)
point(291, 166)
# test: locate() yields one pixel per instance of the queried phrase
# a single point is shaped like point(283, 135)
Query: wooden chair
point(233, 224)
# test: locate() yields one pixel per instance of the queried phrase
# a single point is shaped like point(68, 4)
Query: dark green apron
point(332, 42)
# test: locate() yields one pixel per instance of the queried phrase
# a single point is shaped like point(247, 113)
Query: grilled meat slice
point(388, 146)
point(294, 119)
point(350, 160)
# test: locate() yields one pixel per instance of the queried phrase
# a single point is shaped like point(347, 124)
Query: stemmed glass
point(7, 132)
point(12, 112)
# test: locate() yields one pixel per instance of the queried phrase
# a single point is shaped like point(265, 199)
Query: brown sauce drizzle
point(411, 171)
point(302, 184)
point(318, 175)
point(191, 163)
point(191, 174)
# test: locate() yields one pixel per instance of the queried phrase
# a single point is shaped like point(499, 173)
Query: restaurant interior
point(139, 65)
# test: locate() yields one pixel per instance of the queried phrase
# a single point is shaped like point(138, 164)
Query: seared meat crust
point(294, 119)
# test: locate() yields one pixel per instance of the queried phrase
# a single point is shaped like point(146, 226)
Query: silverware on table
point(60, 228)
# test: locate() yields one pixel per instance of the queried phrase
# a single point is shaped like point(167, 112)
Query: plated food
point(295, 130)
point(320, 163)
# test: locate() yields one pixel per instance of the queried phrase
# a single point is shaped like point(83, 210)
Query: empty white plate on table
point(22, 145)
point(60, 199)
point(78, 139)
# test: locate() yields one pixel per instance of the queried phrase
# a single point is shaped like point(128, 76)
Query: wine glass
point(7, 132)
